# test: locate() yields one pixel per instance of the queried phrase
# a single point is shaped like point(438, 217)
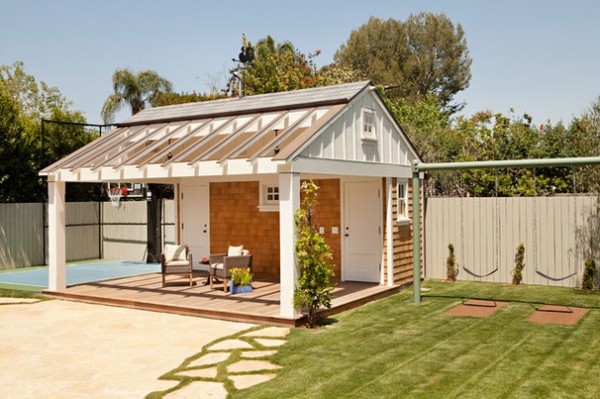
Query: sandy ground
point(62, 349)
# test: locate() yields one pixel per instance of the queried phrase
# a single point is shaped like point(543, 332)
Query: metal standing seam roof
point(240, 105)
point(270, 125)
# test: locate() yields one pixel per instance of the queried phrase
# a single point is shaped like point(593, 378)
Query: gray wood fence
point(559, 233)
point(94, 231)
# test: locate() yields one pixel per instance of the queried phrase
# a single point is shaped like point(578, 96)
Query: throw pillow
point(235, 251)
point(175, 252)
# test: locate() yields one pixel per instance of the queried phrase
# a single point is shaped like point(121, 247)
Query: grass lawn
point(396, 349)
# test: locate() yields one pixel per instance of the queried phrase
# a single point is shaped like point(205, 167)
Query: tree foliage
point(281, 67)
point(426, 54)
point(23, 150)
point(135, 90)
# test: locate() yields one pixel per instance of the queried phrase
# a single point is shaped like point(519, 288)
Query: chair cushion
point(175, 252)
point(178, 263)
point(235, 251)
point(217, 265)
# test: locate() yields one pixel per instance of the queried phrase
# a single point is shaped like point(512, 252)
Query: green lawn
point(396, 349)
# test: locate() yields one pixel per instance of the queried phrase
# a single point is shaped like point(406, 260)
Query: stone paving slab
point(269, 332)
point(229, 345)
point(62, 349)
point(210, 358)
point(12, 301)
point(244, 366)
point(249, 380)
point(253, 354)
point(200, 389)
point(210, 372)
point(270, 342)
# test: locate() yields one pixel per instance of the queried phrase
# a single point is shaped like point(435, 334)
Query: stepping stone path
point(241, 359)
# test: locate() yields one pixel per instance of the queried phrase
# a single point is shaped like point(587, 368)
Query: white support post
point(389, 216)
point(289, 202)
point(57, 277)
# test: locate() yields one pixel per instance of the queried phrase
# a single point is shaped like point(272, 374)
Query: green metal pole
point(416, 192)
point(514, 163)
point(510, 163)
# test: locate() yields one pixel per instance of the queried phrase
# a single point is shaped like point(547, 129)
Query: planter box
point(240, 289)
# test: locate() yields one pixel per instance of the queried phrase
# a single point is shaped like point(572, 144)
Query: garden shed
point(237, 165)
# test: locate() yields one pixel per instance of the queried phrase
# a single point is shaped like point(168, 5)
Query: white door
point(195, 222)
point(362, 232)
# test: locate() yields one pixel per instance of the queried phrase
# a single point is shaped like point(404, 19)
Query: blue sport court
point(82, 272)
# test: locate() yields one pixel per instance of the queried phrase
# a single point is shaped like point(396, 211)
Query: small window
point(402, 203)
point(269, 198)
point(272, 195)
point(369, 131)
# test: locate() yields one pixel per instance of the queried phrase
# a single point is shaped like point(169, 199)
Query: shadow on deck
point(145, 292)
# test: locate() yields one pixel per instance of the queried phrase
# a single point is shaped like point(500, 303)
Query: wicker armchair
point(221, 265)
point(176, 259)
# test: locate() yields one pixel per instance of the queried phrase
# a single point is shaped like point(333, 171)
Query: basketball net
point(115, 193)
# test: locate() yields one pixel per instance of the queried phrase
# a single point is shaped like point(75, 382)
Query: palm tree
point(135, 90)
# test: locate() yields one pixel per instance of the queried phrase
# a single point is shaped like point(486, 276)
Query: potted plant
point(241, 281)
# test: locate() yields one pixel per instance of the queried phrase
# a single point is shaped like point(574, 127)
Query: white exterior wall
point(343, 140)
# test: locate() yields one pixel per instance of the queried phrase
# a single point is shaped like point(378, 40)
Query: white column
point(289, 202)
point(57, 277)
point(389, 222)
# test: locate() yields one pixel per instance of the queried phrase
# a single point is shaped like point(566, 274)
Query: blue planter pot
point(240, 289)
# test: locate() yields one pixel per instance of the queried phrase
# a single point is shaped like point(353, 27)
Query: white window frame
point(368, 125)
point(267, 200)
point(402, 202)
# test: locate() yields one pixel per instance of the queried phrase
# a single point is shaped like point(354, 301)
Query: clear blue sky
point(541, 57)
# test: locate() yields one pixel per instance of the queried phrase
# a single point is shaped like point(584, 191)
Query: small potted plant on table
point(241, 281)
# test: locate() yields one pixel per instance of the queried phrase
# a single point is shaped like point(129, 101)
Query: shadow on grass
point(532, 294)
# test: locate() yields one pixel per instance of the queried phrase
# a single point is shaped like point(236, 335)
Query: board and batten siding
point(343, 140)
point(558, 233)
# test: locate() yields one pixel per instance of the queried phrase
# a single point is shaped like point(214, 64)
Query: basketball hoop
point(114, 193)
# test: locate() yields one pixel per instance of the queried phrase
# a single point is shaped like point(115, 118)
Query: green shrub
point(313, 258)
point(451, 266)
point(589, 273)
point(519, 265)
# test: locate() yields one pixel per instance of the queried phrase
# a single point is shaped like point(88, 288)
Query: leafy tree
point(313, 257)
point(22, 149)
point(135, 90)
point(588, 144)
point(426, 54)
point(279, 67)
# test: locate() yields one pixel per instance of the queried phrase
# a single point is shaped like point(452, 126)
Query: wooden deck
point(260, 306)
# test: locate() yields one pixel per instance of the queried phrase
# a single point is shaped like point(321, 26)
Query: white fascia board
point(109, 173)
point(132, 172)
point(350, 168)
point(156, 171)
point(267, 166)
point(182, 169)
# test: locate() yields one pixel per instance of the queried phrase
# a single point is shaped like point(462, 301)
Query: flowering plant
point(241, 276)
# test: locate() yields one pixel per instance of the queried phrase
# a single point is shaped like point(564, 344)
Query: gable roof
point(232, 136)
